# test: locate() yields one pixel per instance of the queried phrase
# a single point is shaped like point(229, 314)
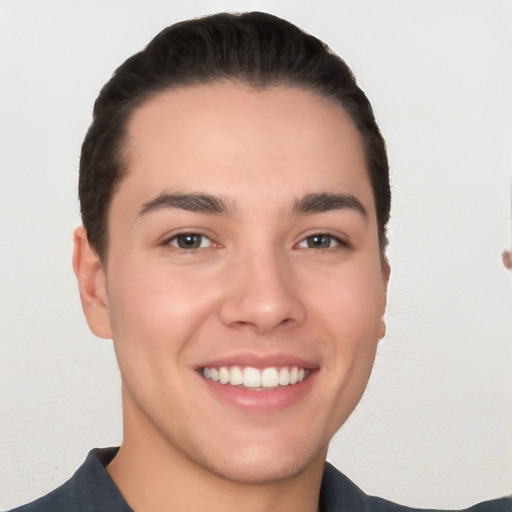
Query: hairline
point(123, 151)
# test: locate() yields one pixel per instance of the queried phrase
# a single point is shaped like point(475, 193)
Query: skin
point(506, 257)
point(259, 286)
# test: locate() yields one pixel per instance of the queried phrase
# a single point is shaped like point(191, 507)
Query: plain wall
point(435, 426)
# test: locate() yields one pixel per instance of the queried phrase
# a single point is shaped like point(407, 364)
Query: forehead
point(226, 136)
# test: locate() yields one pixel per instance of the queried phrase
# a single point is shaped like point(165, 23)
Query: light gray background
point(435, 426)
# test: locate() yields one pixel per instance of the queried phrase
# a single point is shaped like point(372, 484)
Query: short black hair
point(256, 48)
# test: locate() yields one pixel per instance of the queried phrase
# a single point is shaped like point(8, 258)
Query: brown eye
point(320, 241)
point(189, 241)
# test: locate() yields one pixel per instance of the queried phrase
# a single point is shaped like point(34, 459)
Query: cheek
point(153, 305)
point(352, 301)
point(350, 308)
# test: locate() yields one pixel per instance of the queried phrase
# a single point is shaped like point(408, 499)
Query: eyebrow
point(324, 202)
point(214, 205)
point(197, 203)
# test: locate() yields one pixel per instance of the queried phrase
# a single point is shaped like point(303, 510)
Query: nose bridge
point(263, 292)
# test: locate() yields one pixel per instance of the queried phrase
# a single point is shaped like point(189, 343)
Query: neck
point(154, 475)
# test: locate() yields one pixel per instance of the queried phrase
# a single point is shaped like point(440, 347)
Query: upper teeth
point(255, 378)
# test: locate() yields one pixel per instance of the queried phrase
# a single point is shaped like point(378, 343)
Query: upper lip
point(259, 361)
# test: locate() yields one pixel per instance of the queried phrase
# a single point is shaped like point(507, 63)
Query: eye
point(320, 241)
point(189, 241)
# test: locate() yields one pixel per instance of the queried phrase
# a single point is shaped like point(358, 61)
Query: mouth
point(256, 379)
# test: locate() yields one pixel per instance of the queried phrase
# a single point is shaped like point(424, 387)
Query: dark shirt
point(91, 489)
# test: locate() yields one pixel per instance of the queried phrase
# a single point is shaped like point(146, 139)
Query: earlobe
point(91, 284)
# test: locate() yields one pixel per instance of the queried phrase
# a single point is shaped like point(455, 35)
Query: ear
point(92, 284)
point(386, 272)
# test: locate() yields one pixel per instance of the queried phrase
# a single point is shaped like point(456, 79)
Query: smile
point(254, 378)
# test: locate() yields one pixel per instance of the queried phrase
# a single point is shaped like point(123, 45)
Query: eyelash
point(331, 238)
point(309, 240)
point(175, 240)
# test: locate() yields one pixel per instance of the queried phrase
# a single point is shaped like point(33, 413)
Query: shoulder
point(62, 498)
point(501, 505)
point(90, 489)
point(339, 493)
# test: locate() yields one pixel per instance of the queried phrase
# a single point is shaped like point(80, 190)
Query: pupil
point(189, 241)
point(318, 241)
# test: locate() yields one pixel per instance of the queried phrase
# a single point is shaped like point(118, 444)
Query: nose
point(262, 294)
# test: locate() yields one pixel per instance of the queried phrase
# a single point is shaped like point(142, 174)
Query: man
point(234, 194)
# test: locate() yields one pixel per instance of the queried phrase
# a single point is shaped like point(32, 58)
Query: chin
point(263, 467)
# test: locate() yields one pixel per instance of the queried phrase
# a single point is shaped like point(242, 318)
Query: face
point(245, 288)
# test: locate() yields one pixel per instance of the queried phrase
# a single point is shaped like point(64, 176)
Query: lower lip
point(263, 400)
